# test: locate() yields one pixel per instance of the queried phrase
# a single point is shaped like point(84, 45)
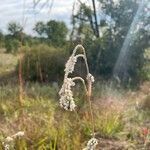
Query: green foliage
point(31, 127)
point(109, 124)
point(43, 63)
point(15, 38)
point(8, 46)
point(12, 45)
point(46, 126)
point(40, 28)
point(14, 28)
point(1, 39)
point(55, 32)
point(108, 121)
point(145, 71)
point(114, 24)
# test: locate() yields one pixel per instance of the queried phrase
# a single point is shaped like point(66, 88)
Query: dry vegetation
point(122, 117)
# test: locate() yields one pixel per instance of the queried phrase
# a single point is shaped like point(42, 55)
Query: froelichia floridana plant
point(66, 95)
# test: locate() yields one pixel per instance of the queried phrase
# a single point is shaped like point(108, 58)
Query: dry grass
point(7, 62)
point(45, 125)
point(120, 123)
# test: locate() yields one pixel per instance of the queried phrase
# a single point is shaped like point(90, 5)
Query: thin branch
point(50, 6)
point(80, 2)
point(95, 16)
point(82, 19)
point(35, 3)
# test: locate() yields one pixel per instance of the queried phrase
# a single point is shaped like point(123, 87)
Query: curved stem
point(85, 58)
point(79, 78)
point(78, 47)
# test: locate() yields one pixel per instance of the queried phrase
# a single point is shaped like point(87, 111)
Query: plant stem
point(90, 105)
point(89, 83)
point(88, 88)
point(79, 78)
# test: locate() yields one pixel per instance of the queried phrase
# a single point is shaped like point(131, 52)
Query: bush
point(43, 63)
point(12, 45)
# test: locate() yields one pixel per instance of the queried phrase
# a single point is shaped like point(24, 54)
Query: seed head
point(66, 95)
point(7, 147)
point(91, 145)
point(10, 139)
point(69, 67)
point(90, 77)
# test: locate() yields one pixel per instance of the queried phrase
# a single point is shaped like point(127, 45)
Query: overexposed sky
point(23, 11)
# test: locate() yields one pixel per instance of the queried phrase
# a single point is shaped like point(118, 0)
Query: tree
point(15, 29)
point(87, 14)
point(56, 32)
point(40, 28)
point(114, 21)
point(15, 38)
point(11, 45)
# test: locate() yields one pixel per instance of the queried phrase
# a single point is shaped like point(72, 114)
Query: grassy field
point(121, 117)
point(7, 62)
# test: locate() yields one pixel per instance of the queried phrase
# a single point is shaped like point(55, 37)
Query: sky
point(23, 12)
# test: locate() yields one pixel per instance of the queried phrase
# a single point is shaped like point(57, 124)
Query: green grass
point(47, 126)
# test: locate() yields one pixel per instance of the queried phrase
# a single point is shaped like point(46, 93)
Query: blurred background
point(115, 33)
point(36, 39)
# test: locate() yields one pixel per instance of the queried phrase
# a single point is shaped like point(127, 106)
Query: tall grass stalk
point(66, 94)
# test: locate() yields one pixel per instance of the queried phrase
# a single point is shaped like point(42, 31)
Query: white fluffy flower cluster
point(90, 77)
point(18, 134)
point(11, 138)
point(8, 140)
point(69, 67)
point(91, 145)
point(66, 95)
point(6, 147)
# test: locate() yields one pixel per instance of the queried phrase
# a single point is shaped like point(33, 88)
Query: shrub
point(12, 45)
point(43, 63)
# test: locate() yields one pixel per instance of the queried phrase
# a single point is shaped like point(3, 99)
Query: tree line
point(102, 31)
